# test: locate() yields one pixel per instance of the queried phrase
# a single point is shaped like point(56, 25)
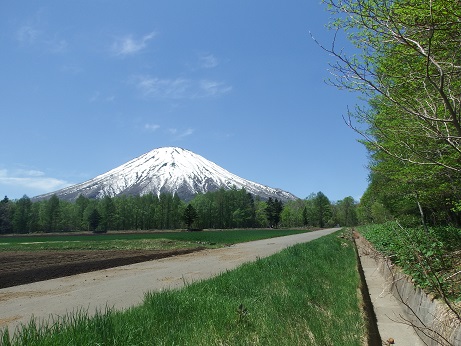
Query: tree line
point(221, 209)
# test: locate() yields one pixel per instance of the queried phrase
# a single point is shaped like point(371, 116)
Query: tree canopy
point(408, 67)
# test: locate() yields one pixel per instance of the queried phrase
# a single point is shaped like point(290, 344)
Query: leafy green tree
point(148, 204)
point(292, 214)
point(205, 208)
point(260, 213)
point(22, 215)
point(347, 212)
point(225, 209)
point(169, 211)
point(288, 217)
point(68, 219)
point(190, 214)
point(305, 218)
point(127, 212)
point(321, 210)
point(35, 217)
point(408, 68)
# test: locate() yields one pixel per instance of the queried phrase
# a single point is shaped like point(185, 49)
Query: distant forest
point(222, 209)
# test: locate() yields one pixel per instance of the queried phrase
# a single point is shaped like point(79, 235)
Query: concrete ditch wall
point(434, 323)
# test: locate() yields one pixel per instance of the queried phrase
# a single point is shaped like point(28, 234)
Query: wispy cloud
point(180, 134)
point(30, 173)
point(27, 34)
point(163, 88)
point(208, 61)
point(128, 45)
point(213, 88)
point(98, 97)
point(71, 69)
point(31, 35)
point(31, 179)
point(151, 127)
point(179, 88)
point(95, 96)
point(56, 44)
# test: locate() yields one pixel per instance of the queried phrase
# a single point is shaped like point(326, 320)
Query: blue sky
point(89, 85)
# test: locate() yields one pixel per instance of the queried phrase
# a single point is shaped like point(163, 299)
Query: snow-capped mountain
point(166, 170)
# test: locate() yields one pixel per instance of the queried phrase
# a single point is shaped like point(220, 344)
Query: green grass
point(132, 241)
point(431, 258)
point(304, 295)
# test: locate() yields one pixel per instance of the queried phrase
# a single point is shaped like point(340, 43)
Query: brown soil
point(23, 267)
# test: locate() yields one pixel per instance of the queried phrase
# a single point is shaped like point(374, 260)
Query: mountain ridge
point(166, 170)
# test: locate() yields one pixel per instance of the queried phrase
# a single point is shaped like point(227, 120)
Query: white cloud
point(151, 127)
point(187, 132)
point(127, 45)
point(213, 88)
point(178, 135)
point(179, 88)
point(208, 61)
point(98, 97)
point(30, 173)
point(163, 88)
point(27, 34)
point(31, 179)
point(31, 35)
point(57, 45)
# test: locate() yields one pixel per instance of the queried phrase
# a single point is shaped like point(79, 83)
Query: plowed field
point(22, 267)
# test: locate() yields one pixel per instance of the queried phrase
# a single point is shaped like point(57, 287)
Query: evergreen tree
point(107, 213)
point(273, 211)
point(81, 203)
point(94, 219)
point(52, 213)
point(248, 210)
point(6, 225)
point(190, 214)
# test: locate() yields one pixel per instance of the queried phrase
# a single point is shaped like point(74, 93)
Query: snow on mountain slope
point(166, 170)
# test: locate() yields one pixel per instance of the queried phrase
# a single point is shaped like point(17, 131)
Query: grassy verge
point(432, 258)
point(305, 295)
point(137, 241)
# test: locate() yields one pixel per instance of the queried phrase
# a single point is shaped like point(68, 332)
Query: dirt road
point(125, 286)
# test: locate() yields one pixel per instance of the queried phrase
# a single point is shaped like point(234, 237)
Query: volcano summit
point(166, 170)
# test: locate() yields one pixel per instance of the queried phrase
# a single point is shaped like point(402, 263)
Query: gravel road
point(125, 286)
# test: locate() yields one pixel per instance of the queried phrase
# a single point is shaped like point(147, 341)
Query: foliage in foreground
point(305, 295)
point(405, 64)
point(431, 258)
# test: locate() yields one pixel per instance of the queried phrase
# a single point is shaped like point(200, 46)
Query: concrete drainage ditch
point(419, 314)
